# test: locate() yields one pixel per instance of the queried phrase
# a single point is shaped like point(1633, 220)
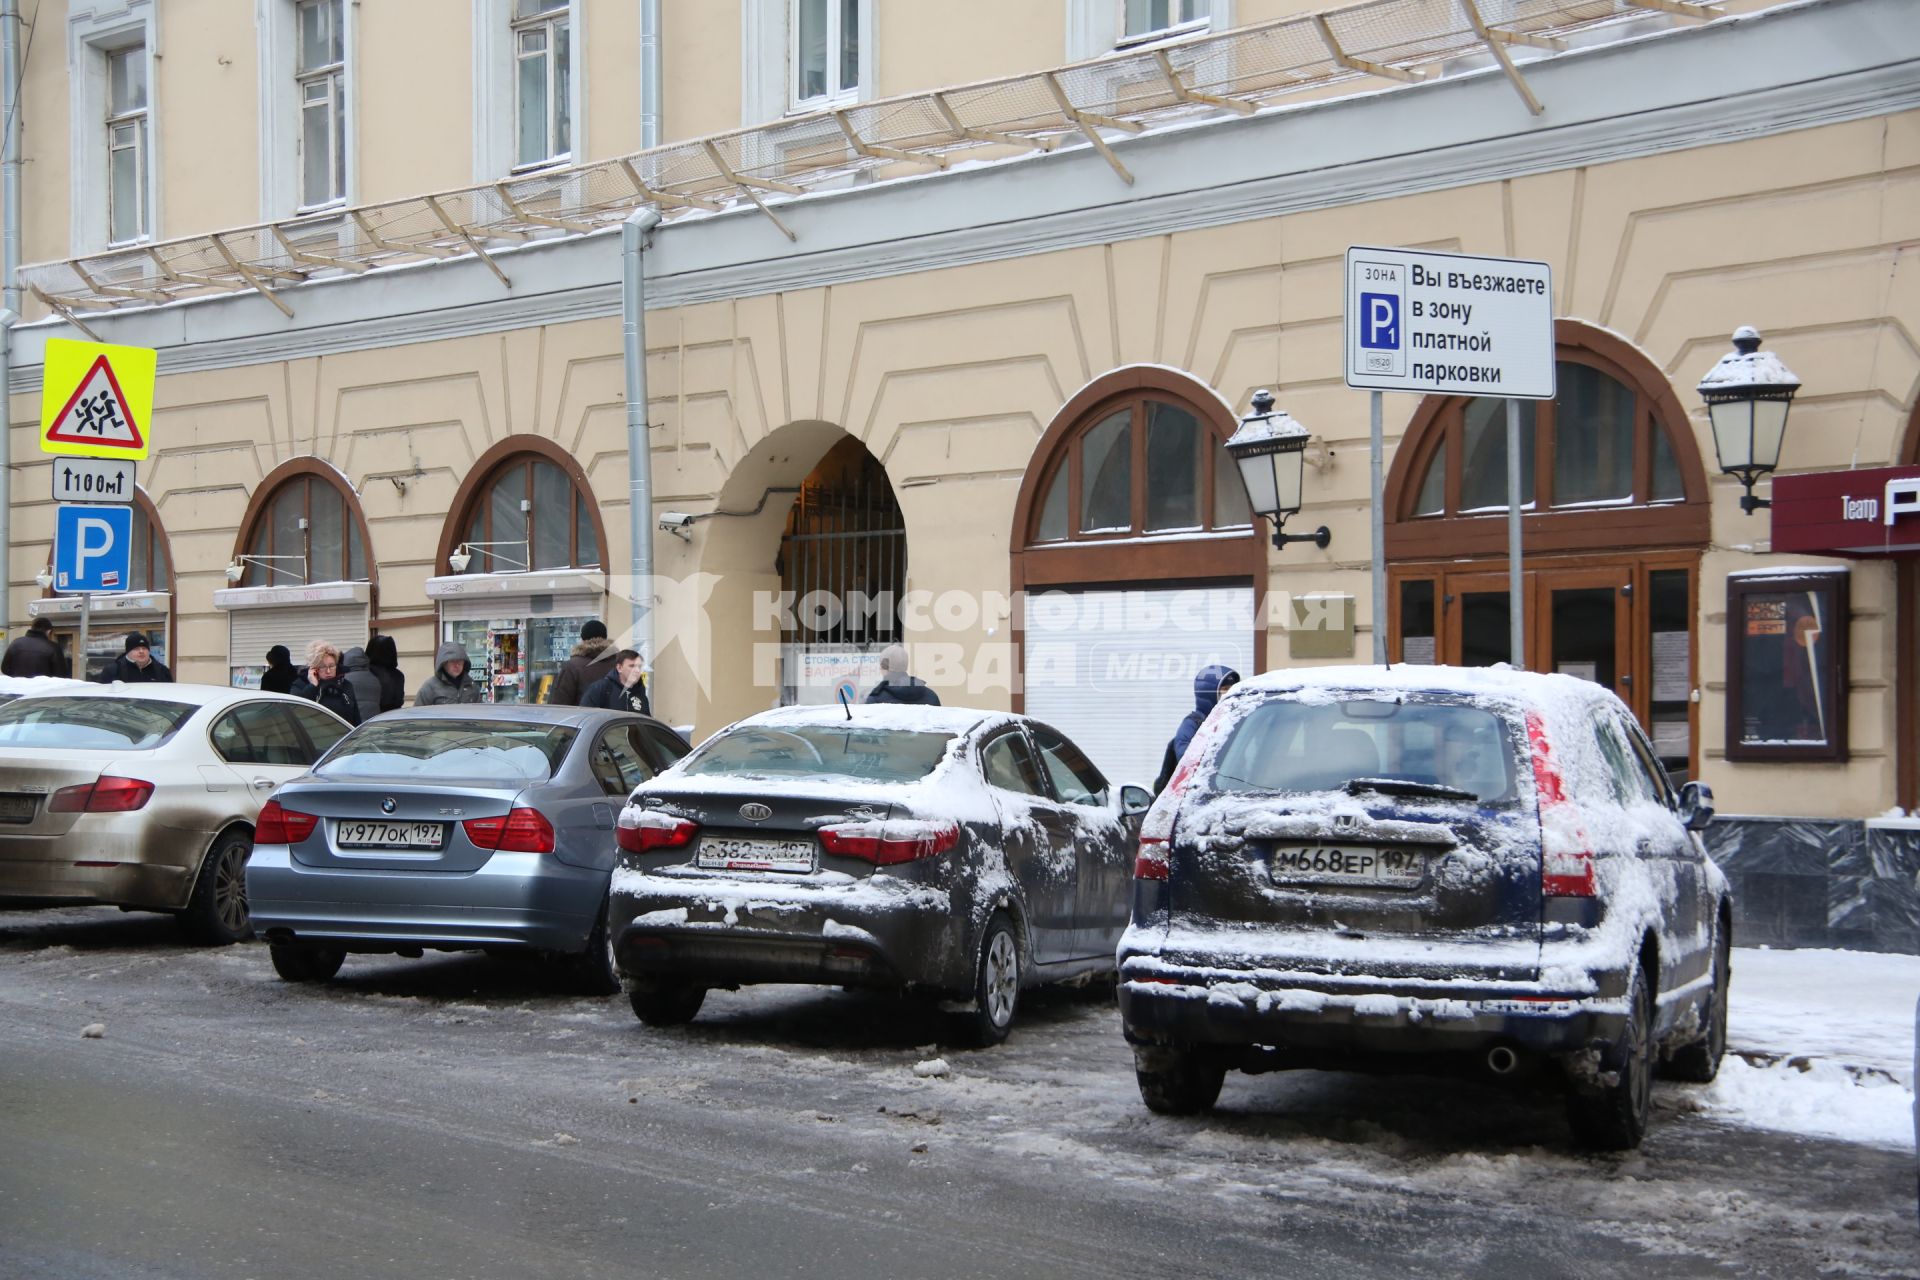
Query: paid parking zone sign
point(1449, 323)
point(96, 400)
point(92, 548)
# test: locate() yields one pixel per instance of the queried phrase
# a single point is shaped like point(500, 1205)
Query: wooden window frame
point(495, 464)
point(260, 508)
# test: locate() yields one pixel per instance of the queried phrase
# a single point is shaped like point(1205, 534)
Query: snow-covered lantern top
point(1270, 450)
point(1748, 394)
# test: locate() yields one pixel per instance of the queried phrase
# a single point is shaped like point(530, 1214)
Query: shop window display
point(515, 660)
point(1787, 666)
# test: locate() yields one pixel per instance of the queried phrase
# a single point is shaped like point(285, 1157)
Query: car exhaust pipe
point(1502, 1061)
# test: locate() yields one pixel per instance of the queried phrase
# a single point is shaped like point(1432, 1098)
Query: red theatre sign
point(1872, 512)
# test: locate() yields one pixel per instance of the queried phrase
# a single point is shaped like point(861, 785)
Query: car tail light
point(1151, 863)
point(887, 844)
point(1566, 859)
point(280, 825)
point(641, 830)
point(522, 830)
point(108, 795)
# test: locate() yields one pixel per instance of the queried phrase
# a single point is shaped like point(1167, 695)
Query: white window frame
point(768, 36)
point(548, 23)
point(93, 33)
point(496, 152)
point(331, 77)
point(277, 28)
point(836, 94)
point(1098, 27)
point(137, 124)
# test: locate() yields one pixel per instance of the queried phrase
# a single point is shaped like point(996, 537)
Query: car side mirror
point(1135, 800)
point(1696, 805)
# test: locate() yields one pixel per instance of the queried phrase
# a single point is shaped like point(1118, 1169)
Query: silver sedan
point(145, 796)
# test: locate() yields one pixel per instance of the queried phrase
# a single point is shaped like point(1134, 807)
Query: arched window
point(152, 566)
point(304, 526)
point(1144, 464)
point(531, 510)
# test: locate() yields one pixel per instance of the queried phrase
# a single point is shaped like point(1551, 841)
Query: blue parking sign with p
point(92, 547)
point(1380, 321)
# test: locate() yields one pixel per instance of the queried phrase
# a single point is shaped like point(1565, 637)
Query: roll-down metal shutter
point(251, 632)
point(1113, 670)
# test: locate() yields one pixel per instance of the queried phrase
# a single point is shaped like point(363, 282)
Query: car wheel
point(1176, 1080)
point(594, 970)
point(1614, 1117)
point(665, 1004)
point(306, 961)
point(216, 913)
point(1699, 1062)
point(996, 985)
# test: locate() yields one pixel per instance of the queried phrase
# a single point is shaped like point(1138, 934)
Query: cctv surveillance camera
point(673, 521)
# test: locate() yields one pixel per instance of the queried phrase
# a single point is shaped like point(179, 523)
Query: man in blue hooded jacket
point(1208, 687)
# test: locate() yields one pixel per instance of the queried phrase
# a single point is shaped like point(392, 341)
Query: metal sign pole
point(1379, 537)
point(86, 619)
point(1516, 593)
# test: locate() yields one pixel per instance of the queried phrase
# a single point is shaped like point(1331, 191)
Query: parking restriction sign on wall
point(1449, 324)
point(96, 400)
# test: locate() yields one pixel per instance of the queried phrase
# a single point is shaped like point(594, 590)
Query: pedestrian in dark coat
point(622, 689)
point(449, 682)
point(384, 657)
point(1208, 686)
point(356, 671)
point(137, 665)
point(325, 683)
point(280, 673)
point(897, 684)
point(35, 653)
point(591, 659)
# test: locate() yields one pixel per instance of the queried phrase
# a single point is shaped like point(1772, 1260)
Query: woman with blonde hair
point(325, 683)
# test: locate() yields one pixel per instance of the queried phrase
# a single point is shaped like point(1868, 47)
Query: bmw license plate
point(1346, 864)
point(389, 835)
point(722, 853)
point(18, 808)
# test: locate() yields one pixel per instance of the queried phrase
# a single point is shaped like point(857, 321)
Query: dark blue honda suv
point(1422, 867)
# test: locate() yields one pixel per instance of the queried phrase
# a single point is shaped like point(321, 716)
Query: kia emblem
point(754, 811)
point(388, 805)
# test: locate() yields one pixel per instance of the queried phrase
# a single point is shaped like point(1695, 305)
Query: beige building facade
point(996, 393)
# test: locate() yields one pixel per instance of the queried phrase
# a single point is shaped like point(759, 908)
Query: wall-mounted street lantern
point(1748, 394)
point(1270, 450)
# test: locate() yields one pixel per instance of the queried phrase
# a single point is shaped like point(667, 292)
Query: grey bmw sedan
point(449, 829)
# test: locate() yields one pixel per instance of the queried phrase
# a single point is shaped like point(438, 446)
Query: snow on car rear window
point(811, 751)
point(470, 750)
point(1287, 745)
point(109, 724)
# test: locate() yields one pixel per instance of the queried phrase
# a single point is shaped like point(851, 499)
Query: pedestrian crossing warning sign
point(96, 400)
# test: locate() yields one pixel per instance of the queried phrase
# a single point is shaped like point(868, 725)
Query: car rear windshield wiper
point(1405, 787)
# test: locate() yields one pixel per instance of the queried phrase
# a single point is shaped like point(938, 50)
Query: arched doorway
point(1614, 519)
point(301, 568)
point(523, 560)
point(1136, 552)
point(145, 606)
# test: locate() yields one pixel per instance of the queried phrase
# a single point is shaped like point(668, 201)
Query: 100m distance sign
point(1449, 324)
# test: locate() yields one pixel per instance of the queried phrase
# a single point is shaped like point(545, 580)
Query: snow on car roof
point(1539, 688)
point(954, 720)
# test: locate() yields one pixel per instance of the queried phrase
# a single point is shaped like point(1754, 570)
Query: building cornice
point(1760, 75)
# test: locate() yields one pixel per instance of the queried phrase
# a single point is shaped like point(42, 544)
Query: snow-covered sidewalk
point(1820, 1043)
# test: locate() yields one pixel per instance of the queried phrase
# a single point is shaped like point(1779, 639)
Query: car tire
point(1699, 1062)
point(996, 985)
point(306, 961)
point(1176, 1080)
point(594, 970)
point(1614, 1117)
point(216, 912)
point(665, 1004)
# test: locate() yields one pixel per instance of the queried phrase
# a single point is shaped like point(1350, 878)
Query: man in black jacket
point(137, 665)
point(35, 653)
point(622, 689)
point(592, 659)
point(899, 685)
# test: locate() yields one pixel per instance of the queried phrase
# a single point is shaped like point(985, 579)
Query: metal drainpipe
point(649, 74)
point(633, 329)
point(10, 302)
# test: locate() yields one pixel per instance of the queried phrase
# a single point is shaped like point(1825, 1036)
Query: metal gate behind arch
point(843, 569)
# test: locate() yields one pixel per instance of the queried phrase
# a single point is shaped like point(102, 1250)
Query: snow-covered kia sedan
point(966, 854)
point(1427, 867)
point(145, 796)
point(454, 828)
